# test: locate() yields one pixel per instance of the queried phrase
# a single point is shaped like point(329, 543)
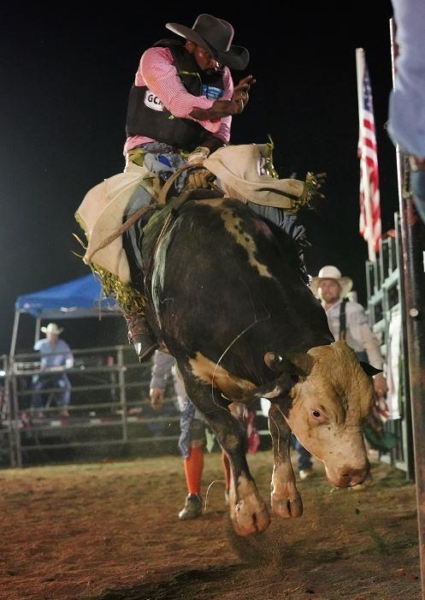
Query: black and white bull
point(231, 306)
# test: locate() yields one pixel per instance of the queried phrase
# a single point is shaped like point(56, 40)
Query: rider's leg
point(140, 335)
point(139, 332)
point(161, 161)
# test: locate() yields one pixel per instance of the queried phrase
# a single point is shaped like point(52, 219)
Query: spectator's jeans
point(58, 383)
point(304, 456)
point(191, 427)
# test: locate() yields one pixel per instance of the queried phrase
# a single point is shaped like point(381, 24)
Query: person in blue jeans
point(192, 440)
point(305, 462)
point(56, 356)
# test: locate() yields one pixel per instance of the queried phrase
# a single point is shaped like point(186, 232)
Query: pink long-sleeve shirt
point(158, 72)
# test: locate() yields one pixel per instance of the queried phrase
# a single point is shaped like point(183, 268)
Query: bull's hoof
point(287, 508)
point(247, 521)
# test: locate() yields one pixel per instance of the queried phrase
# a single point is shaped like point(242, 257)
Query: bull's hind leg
point(248, 510)
point(285, 499)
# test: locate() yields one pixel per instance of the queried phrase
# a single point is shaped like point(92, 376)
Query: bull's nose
point(348, 477)
point(358, 477)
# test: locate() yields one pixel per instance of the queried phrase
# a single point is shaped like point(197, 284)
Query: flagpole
point(368, 225)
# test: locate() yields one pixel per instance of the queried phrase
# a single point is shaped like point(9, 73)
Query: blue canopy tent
point(78, 298)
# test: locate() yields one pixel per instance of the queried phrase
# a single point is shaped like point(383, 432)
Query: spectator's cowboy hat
point(331, 272)
point(215, 36)
point(52, 328)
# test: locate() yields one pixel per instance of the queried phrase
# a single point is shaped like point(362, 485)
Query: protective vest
point(147, 116)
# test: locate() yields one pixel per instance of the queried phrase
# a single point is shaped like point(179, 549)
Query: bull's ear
point(296, 363)
point(301, 363)
point(369, 370)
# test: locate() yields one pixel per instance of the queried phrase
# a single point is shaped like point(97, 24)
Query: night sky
point(65, 76)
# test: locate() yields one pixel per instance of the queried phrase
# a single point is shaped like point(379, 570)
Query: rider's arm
point(158, 72)
point(161, 371)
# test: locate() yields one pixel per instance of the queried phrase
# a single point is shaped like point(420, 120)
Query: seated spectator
point(56, 356)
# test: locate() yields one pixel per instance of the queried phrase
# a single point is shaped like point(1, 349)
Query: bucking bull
point(226, 296)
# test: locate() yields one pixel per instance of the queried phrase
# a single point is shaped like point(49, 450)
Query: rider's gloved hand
point(198, 156)
point(199, 178)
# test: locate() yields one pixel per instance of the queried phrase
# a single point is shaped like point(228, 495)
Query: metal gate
point(109, 415)
point(384, 306)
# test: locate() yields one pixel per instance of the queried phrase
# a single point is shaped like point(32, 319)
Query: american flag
point(370, 209)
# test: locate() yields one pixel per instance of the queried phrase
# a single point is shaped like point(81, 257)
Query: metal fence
point(385, 310)
point(109, 415)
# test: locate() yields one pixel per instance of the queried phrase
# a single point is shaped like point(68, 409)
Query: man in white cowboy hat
point(56, 356)
point(179, 111)
point(349, 317)
point(333, 290)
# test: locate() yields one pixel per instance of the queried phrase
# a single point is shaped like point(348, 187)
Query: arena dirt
point(110, 532)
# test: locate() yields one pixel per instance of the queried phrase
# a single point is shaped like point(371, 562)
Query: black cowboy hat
point(215, 36)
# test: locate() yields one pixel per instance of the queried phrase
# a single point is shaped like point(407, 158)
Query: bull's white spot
point(212, 374)
point(234, 226)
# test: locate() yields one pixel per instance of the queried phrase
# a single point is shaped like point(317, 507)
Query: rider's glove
point(198, 156)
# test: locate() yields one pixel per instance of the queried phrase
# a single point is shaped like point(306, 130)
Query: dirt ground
point(110, 532)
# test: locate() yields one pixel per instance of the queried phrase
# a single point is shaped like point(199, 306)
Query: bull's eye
point(320, 416)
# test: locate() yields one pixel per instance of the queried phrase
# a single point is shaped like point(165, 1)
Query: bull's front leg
point(286, 501)
point(248, 510)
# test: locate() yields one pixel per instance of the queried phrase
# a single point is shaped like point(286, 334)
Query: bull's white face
point(329, 408)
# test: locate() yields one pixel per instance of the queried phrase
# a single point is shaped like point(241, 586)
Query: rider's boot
point(140, 335)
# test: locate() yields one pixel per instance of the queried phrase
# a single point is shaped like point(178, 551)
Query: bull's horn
point(272, 360)
point(272, 389)
point(297, 363)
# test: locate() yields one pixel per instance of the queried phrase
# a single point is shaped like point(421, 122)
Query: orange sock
point(193, 466)
point(226, 468)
